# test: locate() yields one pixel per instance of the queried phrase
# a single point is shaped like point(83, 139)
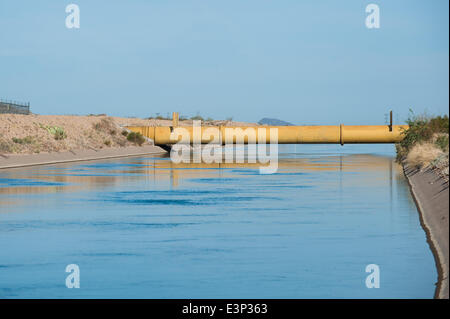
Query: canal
point(144, 227)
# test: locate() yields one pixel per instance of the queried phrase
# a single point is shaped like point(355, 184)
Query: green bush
point(136, 138)
point(57, 132)
point(422, 128)
point(160, 117)
point(439, 124)
point(25, 140)
point(442, 142)
point(106, 125)
point(5, 147)
point(125, 133)
point(197, 117)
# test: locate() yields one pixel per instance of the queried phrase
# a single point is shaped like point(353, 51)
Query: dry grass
point(423, 129)
point(441, 161)
point(429, 155)
point(426, 144)
point(423, 155)
point(441, 165)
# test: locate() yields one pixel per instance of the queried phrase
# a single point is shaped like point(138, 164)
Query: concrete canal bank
point(431, 194)
point(22, 160)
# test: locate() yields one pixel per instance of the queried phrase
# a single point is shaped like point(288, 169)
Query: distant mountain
point(274, 122)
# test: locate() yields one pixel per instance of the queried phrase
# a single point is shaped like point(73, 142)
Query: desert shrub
point(121, 142)
point(97, 114)
point(197, 117)
point(422, 129)
point(136, 138)
point(5, 147)
point(107, 142)
point(106, 125)
point(442, 142)
point(439, 124)
point(161, 117)
point(125, 133)
point(25, 140)
point(57, 132)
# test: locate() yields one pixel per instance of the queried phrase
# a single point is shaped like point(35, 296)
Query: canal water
point(144, 227)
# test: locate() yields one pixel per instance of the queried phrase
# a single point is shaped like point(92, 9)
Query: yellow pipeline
point(337, 134)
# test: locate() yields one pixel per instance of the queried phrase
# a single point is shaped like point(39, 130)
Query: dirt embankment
point(31, 134)
point(34, 134)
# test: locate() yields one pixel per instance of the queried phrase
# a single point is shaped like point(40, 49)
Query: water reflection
point(105, 173)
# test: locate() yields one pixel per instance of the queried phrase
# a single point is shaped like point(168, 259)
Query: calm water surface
point(147, 228)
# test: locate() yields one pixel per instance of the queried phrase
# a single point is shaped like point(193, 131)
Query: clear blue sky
point(308, 62)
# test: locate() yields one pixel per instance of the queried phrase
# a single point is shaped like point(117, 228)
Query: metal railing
point(14, 107)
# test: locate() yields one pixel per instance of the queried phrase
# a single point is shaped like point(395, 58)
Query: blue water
point(146, 228)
